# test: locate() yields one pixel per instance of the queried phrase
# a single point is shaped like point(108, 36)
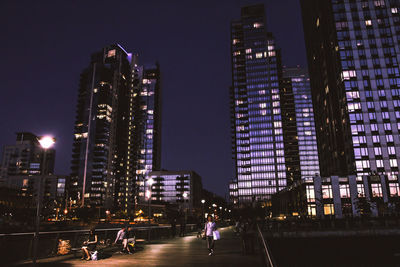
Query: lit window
point(111, 53)
point(376, 190)
point(368, 22)
point(329, 209)
point(257, 25)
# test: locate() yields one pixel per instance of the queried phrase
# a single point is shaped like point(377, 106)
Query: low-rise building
point(53, 186)
point(183, 188)
point(338, 197)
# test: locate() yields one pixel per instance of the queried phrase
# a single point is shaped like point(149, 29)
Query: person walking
point(209, 229)
point(173, 227)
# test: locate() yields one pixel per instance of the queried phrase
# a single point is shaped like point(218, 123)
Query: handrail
point(270, 261)
point(86, 230)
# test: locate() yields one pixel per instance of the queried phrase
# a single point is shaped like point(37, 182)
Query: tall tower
point(149, 120)
point(353, 56)
point(301, 153)
point(258, 147)
point(144, 127)
point(101, 129)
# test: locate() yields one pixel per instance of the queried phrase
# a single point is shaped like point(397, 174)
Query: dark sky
point(46, 44)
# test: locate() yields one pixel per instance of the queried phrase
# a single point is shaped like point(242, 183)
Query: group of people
point(125, 238)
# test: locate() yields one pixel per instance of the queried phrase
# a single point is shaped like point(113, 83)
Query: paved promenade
point(186, 251)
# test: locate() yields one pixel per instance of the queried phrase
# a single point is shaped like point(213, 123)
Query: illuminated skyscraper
point(149, 120)
point(101, 130)
point(300, 142)
point(258, 146)
point(353, 57)
point(145, 127)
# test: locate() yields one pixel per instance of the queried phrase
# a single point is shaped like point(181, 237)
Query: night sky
point(45, 46)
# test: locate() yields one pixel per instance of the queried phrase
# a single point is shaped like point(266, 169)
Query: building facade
point(339, 197)
point(117, 138)
point(53, 186)
point(25, 158)
point(299, 137)
point(149, 120)
point(180, 188)
point(256, 119)
point(144, 143)
point(99, 154)
point(353, 55)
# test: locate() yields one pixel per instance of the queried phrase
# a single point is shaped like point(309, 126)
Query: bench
point(101, 245)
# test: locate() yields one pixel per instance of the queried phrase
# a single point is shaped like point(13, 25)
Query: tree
point(363, 206)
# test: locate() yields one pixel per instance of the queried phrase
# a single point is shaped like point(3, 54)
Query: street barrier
point(18, 246)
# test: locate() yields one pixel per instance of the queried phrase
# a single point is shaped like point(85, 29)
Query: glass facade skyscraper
point(353, 54)
point(301, 153)
point(258, 147)
point(149, 120)
point(99, 151)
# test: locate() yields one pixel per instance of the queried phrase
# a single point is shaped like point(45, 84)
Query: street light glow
point(148, 194)
point(203, 201)
point(46, 142)
point(150, 181)
point(185, 194)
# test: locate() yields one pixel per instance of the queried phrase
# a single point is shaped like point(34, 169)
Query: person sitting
point(89, 245)
point(131, 240)
point(121, 239)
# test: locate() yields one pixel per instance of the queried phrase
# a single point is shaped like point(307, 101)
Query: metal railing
point(18, 246)
point(267, 255)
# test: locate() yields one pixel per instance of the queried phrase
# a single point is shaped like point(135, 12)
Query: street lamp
point(45, 142)
point(202, 209)
point(150, 182)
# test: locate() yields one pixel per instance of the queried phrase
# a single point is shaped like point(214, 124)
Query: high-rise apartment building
point(258, 146)
point(149, 120)
point(144, 127)
point(25, 158)
point(300, 142)
point(99, 155)
point(353, 56)
point(117, 131)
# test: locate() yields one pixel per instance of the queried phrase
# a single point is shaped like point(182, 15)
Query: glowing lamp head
point(203, 201)
point(65, 211)
point(148, 194)
point(185, 194)
point(46, 142)
point(150, 181)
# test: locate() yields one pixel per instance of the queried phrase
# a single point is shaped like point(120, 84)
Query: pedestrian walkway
point(180, 251)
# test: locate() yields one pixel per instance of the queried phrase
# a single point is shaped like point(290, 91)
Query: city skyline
point(199, 130)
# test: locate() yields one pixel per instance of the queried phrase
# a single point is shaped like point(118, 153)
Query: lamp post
point(185, 195)
point(148, 195)
point(45, 142)
point(202, 209)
